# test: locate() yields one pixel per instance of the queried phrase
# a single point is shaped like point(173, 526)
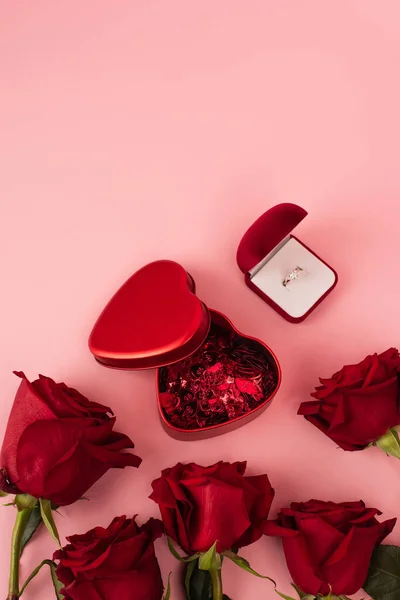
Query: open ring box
point(282, 270)
point(210, 377)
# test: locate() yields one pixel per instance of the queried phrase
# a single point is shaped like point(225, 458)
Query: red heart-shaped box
point(155, 320)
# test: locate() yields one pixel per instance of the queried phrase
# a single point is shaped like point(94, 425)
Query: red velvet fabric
point(278, 308)
point(266, 233)
point(262, 237)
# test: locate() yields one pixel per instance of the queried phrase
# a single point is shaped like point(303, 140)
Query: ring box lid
point(153, 320)
point(267, 233)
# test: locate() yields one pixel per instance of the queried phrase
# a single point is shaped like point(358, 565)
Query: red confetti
point(227, 377)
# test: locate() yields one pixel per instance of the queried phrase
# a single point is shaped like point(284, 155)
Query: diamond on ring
point(293, 275)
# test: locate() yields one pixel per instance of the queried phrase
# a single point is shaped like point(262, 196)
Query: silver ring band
point(293, 275)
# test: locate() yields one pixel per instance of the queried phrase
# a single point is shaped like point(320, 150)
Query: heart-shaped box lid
point(153, 320)
point(266, 233)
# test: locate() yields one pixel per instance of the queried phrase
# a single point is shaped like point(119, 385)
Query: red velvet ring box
point(210, 377)
point(282, 270)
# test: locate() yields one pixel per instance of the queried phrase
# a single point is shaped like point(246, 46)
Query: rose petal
point(28, 408)
point(59, 460)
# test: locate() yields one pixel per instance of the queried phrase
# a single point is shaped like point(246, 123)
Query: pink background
point(132, 131)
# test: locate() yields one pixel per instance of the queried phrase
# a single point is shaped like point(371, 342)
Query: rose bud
point(203, 505)
point(328, 546)
point(58, 443)
point(116, 563)
point(359, 405)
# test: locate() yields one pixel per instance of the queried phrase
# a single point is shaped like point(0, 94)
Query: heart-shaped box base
point(226, 383)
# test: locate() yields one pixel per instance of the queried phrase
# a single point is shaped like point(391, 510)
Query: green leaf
point(58, 586)
point(56, 583)
point(199, 583)
point(168, 591)
point(34, 522)
point(390, 443)
point(47, 516)
point(383, 580)
point(210, 560)
point(244, 564)
point(188, 576)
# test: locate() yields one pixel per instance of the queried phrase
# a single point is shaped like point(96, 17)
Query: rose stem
point(19, 527)
point(216, 583)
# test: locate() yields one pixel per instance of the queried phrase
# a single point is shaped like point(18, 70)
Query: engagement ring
point(293, 275)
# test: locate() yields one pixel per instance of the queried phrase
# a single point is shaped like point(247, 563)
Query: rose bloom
point(58, 443)
point(116, 563)
point(203, 505)
point(328, 546)
point(358, 404)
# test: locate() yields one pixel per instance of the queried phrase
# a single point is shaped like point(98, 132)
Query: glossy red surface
point(154, 319)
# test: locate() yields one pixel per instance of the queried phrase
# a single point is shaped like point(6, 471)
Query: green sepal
point(389, 443)
point(284, 596)
point(47, 516)
point(245, 565)
point(168, 590)
point(56, 583)
point(2, 494)
point(23, 501)
point(299, 591)
point(175, 553)
point(210, 560)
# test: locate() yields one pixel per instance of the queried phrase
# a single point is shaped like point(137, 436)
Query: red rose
point(328, 546)
point(358, 404)
point(117, 563)
point(58, 444)
point(204, 505)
